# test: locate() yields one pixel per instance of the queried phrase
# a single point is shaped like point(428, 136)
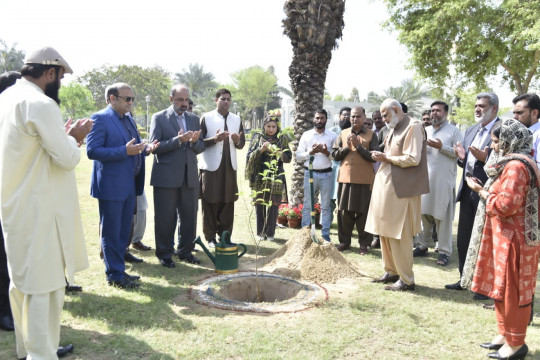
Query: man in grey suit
point(472, 156)
point(175, 177)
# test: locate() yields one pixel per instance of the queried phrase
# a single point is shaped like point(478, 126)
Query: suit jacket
point(172, 159)
point(478, 169)
point(113, 174)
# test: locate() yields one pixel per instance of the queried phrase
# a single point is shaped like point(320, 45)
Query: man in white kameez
point(438, 204)
point(39, 202)
point(394, 210)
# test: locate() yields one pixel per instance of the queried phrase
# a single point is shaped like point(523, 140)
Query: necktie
point(477, 142)
point(181, 122)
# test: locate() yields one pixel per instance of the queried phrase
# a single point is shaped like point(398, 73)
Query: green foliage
point(153, 81)
point(410, 92)
point(339, 97)
point(288, 132)
point(254, 87)
point(76, 101)
point(474, 38)
point(355, 96)
point(196, 79)
point(11, 59)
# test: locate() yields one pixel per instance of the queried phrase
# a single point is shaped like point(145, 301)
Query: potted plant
point(283, 211)
point(295, 216)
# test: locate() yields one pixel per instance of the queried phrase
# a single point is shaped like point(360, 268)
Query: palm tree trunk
point(314, 26)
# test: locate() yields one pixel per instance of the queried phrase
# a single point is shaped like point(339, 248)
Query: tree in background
point(314, 28)
point(477, 38)
point(197, 80)
point(254, 88)
point(76, 101)
point(11, 59)
point(153, 81)
point(410, 92)
point(355, 95)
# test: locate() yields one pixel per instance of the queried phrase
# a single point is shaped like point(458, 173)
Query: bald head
point(179, 98)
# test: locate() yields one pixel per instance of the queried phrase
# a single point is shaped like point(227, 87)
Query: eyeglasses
point(126, 98)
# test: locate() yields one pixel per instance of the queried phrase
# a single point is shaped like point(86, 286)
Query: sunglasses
point(126, 98)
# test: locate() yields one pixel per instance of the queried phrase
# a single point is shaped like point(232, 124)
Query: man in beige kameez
point(39, 202)
point(394, 211)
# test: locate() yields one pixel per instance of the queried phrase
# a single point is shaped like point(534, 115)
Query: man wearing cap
point(44, 240)
point(117, 178)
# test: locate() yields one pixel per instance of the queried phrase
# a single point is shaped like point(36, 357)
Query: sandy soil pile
point(301, 258)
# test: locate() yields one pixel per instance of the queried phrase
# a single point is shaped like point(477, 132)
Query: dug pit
point(274, 293)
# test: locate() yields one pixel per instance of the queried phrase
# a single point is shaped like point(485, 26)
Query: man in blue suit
point(175, 177)
point(117, 177)
point(472, 157)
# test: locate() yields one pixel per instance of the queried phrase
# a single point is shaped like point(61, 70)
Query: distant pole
point(147, 98)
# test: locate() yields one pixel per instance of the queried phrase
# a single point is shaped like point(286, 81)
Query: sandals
point(443, 259)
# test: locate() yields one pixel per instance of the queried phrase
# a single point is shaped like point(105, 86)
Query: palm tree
point(314, 28)
point(410, 93)
point(196, 79)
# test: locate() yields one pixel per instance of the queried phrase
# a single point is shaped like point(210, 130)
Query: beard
point(393, 122)
point(487, 115)
point(180, 110)
point(52, 88)
point(320, 125)
point(437, 121)
point(344, 124)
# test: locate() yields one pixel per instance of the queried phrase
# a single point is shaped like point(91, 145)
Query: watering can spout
point(200, 243)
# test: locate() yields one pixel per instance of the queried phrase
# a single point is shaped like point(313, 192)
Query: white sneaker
point(260, 238)
point(270, 238)
point(211, 244)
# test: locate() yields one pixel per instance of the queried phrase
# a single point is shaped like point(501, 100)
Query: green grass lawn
point(360, 319)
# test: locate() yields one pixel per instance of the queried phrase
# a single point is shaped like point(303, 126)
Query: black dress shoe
point(140, 246)
point(124, 283)
point(6, 323)
point(64, 350)
point(167, 262)
point(343, 246)
point(400, 286)
point(456, 286)
point(419, 252)
point(73, 288)
point(520, 354)
point(491, 346)
point(480, 297)
point(386, 278)
point(131, 277)
point(130, 258)
point(189, 259)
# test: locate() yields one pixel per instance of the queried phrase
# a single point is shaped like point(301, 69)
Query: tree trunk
point(314, 28)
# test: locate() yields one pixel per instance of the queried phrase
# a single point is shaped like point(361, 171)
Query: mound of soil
point(301, 258)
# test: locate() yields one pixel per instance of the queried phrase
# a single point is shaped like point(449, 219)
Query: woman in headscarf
point(502, 260)
point(266, 146)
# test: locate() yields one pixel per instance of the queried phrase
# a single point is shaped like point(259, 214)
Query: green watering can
point(226, 259)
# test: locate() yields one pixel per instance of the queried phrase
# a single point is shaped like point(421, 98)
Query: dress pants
point(217, 217)
point(139, 220)
point(346, 222)
point(266, 220)
point(467, 212)
point(116, 219)
point(37, 323)
point(4, 279)
point(443, 230)
point(172, 206)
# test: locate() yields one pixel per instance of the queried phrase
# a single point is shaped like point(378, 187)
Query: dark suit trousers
point(116, 219)
point(170, 205)
point(346, 222)
point(4, 278)
point(467, 212)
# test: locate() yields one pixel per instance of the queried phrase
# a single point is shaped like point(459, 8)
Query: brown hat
point(47, 56)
